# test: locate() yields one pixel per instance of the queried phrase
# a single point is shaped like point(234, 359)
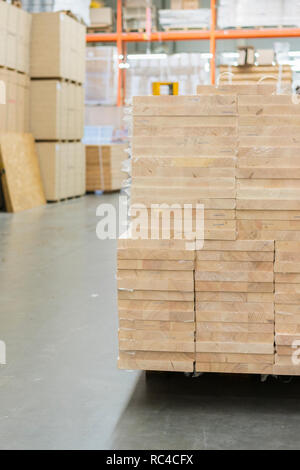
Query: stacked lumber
point(184, 152)
point(250, 74)
point(233, 149)
point(156, 305)
point(104, 167)
point(234, 307)
point(268, 174)
point(287, 308)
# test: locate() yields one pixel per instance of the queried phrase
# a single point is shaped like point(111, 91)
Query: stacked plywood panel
point(156, 305)
point(287, 308)
point(104, 167)
point(234, 307)
point(57, 102)
point(268, 174)
point(184, 152)
point(251, 74)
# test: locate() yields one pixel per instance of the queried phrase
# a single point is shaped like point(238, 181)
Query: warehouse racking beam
point(212, 35)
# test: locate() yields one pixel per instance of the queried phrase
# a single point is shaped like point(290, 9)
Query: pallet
point(65, 199)
point(186, 28)
point(233, 28)
point(139, 30)
point(95, 29)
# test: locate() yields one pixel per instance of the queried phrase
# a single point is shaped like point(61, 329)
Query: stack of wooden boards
point(268, 173)
point(251, 74)
point(104, 167)
point(235, 307)
point(156, 305)
point(184, 152)
point(233, 149)
point(287, 307)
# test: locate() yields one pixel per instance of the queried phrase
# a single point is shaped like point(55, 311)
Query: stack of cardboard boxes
point(135, 16)
point(101, 19)
point(15, 27)
point(57, 102)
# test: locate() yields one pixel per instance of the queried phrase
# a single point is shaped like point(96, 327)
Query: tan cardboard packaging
point(56, 110)
point(101, 16)
point(62, 168)
point(57, 47)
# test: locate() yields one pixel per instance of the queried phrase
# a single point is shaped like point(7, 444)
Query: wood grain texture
point(20, 172)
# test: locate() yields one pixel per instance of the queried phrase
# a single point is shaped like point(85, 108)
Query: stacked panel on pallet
point(178, 145)
point(268, 174)
point(185, 19)
point(258, 13)
point(185, 4)
point(57, 102)
point(137, 14)
point(101, 75)
point(104, 167)
point(156, 305)
point(251, 74)
point(234, 307)
point(184, 152)
point(15, 28)
point(287, 307)
point(80, 9)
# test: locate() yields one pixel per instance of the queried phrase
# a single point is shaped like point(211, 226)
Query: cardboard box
point(62, 168)
point(24, 21)
point(56, 110)
point(185, 4)
point(57, 47)
point(15, 29)
point(265, 56)
point(101, 16)
point(246, 55)
point(14, 113)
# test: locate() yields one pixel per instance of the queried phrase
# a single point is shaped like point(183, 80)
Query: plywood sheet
point(20, 172)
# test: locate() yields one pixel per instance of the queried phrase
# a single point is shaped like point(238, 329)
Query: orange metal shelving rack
point(212, 35)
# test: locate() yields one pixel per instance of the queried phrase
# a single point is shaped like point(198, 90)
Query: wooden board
point(20, 173)
point(156, 361)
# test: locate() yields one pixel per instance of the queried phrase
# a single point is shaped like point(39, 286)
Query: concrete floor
point(61, 388)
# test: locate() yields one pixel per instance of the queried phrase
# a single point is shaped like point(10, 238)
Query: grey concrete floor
point(61, 388)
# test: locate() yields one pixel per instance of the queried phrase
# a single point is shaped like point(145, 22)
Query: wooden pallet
point(178, 28)
point(95, 29)
point(139, 30)
point(66, 199)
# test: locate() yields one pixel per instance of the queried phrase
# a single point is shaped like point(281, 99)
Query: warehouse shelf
point(212, 35)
